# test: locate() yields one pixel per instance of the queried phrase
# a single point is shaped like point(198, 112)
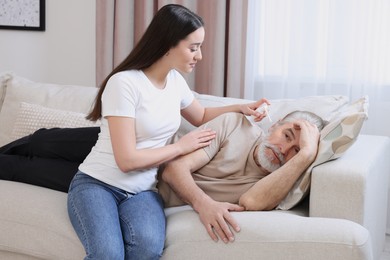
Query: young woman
point(112, 200)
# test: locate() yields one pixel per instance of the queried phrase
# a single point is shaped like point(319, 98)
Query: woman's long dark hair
point(171, 24)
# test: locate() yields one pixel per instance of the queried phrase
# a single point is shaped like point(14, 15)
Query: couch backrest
point(15, 90)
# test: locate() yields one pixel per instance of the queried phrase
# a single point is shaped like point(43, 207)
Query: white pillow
point(32, 117)
point(63, 97)
point(324, 106)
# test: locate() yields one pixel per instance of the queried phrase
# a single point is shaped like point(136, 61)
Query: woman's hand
point(195, 139)
point(250, 109)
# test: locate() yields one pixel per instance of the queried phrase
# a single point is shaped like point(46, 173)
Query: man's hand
point(309, 139)
point(214, 215)
point(217, 219)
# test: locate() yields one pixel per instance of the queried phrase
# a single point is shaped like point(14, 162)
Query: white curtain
point(321, 47)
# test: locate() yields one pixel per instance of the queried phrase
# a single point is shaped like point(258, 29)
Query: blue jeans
point(114, 224)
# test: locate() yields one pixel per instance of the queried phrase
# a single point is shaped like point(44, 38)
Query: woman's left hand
point(250, 109)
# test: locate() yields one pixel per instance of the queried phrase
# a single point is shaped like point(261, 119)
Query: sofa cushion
point(64, 97)
point(36, 222)
point(267, 235)
point(32, 117)
point(37, 226)
point(336, 137)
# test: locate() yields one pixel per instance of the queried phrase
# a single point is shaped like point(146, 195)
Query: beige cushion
point(32, 117)
point(336, 137)
point(276, 235)
point(36, 223)
point(63, 97)
point(44, 231)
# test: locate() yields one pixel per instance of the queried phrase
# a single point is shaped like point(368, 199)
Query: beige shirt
point(232, 169)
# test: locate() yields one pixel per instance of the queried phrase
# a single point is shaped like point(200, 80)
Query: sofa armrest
point(355, 186)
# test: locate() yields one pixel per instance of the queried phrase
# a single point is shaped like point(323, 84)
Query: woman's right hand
point(195, 139)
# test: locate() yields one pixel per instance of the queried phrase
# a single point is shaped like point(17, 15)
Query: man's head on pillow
point(283, 139)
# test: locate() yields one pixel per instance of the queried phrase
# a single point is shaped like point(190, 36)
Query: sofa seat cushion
point(34, 222)
point(37, 226)
point(268, 235)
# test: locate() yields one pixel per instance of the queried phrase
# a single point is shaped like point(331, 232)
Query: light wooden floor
point(386, 252)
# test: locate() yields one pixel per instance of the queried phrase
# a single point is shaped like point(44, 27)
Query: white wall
point(64, 53)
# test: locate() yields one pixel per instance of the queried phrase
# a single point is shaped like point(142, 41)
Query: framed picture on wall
point(22, 15)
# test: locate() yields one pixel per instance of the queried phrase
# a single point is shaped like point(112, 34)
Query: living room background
point(65, 53)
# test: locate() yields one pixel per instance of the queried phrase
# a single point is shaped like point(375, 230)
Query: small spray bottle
point(264, 108)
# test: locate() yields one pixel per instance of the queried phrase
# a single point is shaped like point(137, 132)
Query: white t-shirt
point(157, 117)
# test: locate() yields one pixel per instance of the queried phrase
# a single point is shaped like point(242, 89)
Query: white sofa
point(344, 217)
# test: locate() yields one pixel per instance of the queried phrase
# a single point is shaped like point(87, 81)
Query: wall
point(64, 53)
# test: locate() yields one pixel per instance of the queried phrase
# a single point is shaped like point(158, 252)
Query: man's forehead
point(288, 126)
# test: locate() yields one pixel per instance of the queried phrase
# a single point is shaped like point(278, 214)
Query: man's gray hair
point(305, 115)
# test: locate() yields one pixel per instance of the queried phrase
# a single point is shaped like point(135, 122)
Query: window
point(319, 47)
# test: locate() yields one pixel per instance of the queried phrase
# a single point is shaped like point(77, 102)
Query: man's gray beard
point(264, 160)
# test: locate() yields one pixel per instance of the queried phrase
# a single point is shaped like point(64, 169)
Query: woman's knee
point(143, 226)
point(93, 213)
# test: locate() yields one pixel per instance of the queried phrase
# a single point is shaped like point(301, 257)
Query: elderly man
point(242, 169)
